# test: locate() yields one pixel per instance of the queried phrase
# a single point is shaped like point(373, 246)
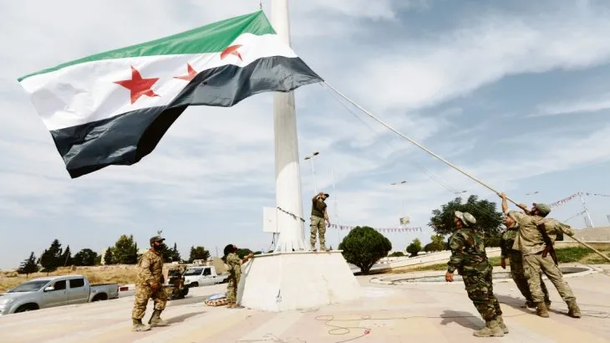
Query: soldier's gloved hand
point(503, 263)
point(154, 286)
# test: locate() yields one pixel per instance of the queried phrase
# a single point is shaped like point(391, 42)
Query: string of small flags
point(565, 200)
point(385, 229)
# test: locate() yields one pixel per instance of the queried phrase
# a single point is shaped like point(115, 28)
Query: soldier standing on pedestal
point(318, 216)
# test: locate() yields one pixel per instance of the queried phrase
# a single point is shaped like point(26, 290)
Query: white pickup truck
point(54, 291)
point(196, 276)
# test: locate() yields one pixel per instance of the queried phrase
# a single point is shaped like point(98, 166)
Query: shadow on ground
point(516, 303)
point(465, 319)
point(183, 317)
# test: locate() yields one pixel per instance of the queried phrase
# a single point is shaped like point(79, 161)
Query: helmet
point(156, 239)
point(466, 218)
point(544, 209)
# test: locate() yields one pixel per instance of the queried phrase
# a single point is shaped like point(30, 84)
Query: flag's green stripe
point(214, 37)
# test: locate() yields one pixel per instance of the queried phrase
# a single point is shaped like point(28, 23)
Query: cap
point(466, 218)
point(326, 195)
point(543, 208)
point(156, 239)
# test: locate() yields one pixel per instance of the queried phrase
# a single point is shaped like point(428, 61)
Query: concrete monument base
point(287, 281)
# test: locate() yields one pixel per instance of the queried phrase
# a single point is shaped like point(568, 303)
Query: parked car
point(202, 276)
point(55, 291)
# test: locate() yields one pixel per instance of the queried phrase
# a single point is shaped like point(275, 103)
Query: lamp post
point(458, 193)
point(313, 171)
point(402, 201)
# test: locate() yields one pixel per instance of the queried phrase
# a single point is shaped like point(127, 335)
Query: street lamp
point(313, 172)
point(402, 201)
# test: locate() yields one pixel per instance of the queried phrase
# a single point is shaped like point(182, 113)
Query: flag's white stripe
point(86, 92)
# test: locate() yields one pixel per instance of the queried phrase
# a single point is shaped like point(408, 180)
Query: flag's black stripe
point(125, 139)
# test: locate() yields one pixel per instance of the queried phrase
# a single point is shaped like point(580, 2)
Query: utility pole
point(588, 221)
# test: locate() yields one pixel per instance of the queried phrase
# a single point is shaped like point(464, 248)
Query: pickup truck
point(203, 276)
point(54, 291)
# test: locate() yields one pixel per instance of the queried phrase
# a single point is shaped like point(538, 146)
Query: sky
point(516, 94)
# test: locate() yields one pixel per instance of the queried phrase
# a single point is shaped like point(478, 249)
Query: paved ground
point(432, 312)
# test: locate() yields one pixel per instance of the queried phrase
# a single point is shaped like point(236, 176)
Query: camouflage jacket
point(234, 264)
point(529, 240)
point(508, 241)
point(553, 227)
point(467, 252)
point(150, 268)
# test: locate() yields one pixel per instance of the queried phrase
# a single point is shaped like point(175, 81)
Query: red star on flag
point(232, 50)
point(138, 86)
point(191, 74)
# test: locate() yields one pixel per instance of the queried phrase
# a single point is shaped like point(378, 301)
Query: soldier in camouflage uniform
point(530, 241)
point(319, 215)
point(468, 257)
point(517, 271)
point(234, 263)
point(149, 284)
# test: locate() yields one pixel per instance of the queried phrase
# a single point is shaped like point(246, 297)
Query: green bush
point(414, 248)
point(396, 254)
point(364, 246)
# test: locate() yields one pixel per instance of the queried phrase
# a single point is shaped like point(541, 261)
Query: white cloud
point(425, 72)
point(584, 105)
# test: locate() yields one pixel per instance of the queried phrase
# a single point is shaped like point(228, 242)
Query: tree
point(28, 266)
point(488, 219)
point(125, 250)
point(175, 253)
point(437, 243)
point(66, 257)
point(397, 254)
point(51, 258)
point(86, 257)
point(364, 246)
point(243, 252)
point(170, 255)
point(199, 253)
point(109, 256)
point(414, 248)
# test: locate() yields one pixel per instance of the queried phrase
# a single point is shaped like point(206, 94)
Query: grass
point(564, 255)
point(99, 274)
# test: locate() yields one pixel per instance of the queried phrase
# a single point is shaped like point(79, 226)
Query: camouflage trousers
point(479, 287)
point(232, 288)
point(318, 226)
point(143, 293)
point(533, 265)
point(518, 274)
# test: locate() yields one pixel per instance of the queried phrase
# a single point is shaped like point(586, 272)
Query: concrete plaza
point(419, 312)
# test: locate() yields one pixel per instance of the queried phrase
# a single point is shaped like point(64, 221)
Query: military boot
point(501, 324)
point(573, 310)
point(155, 319)
point(529, 304)
point(541, 310)
point(491, 329)
point(138, 326)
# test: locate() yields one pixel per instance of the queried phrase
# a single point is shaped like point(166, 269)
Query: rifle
point(549, 244)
